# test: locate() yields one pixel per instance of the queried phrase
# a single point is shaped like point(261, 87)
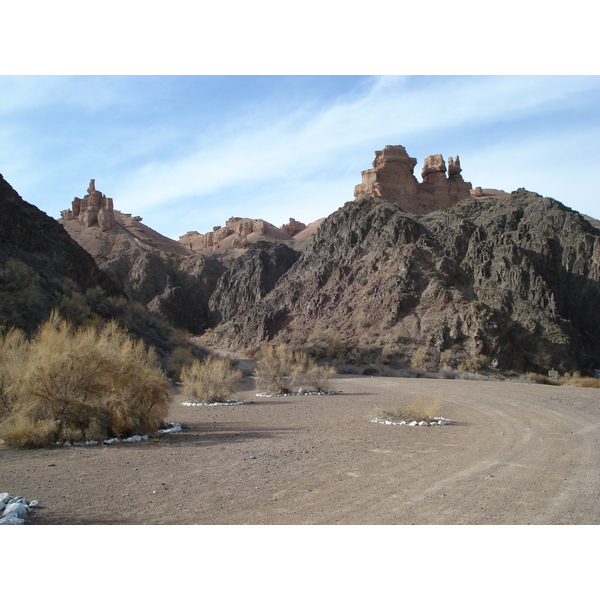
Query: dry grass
point(212, 380)
point(541, 379)
point(419, 409)
point(68, 384)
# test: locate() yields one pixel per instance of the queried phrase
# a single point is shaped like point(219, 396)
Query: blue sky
point(188, 152)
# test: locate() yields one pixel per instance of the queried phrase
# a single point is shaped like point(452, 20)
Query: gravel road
point(517, 453)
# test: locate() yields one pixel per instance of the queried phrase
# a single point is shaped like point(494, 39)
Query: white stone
point(33, 504)
point(11, 520)
point(4, 497)
point(16, 510)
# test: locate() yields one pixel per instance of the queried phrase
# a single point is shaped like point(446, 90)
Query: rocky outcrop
point(93, 209)
point(293, 227)
point(251, 277)
point(514, 279)
point(237, 234)
point(392, 179)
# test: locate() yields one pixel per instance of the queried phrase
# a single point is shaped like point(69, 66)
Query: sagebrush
point(78, 384)
point(211, 380)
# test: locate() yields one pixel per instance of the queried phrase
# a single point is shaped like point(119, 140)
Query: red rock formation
point(392, 179)
point(293, 227)
point(94, 208)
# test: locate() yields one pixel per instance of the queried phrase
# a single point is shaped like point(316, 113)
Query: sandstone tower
point(94, 208)
point(392, 179)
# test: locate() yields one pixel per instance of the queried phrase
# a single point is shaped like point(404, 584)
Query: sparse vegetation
point(419, 409)
point(316, 376)
point(277, 368)
point(76, 385)
point(574, 379)
point(210, 380)
point(476, 363)
point(419, 358)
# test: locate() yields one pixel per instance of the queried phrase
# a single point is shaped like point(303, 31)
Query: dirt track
point(518, 454)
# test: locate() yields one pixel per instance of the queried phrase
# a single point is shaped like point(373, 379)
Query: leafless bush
point(212, 380)
point(277, 368)
point(78, 385)
point(314, 375)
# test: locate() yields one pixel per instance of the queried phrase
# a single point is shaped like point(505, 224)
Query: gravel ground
point(516, 454)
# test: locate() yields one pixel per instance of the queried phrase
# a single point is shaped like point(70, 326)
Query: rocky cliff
point(251, 277)
point(515, 280)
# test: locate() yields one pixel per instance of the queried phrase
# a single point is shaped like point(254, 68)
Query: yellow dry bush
point(419, 409)
point(312, 375)
point(212, 380)
point(419, 358)
point(81, 384)
point(277, 368)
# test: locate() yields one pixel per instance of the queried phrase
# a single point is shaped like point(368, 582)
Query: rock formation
point(93, 209)
point(392, 179)
point(236, 235)
point(514, 279)
point(251, 277)
point(293, 227)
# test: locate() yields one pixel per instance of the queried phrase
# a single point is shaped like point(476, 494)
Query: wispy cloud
point(265, 148)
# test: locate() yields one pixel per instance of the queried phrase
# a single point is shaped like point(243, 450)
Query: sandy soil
point(517, 454)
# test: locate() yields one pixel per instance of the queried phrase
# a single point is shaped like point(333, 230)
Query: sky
point(188, 152)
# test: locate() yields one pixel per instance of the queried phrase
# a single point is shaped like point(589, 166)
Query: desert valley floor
point(517, 453)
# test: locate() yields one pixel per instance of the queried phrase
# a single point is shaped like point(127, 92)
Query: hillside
point(509, 279)
point(43, 269)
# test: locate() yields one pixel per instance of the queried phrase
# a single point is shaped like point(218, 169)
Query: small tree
point(212, 380)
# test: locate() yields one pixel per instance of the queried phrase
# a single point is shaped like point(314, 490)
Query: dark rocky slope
point(40, 265)
point(43, 269)
point(251, 277)
point(514, 279)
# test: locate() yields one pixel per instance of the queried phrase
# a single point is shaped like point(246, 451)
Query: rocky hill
point(177, 278)
point(43, 269)
point(513, 281)
point(40, 265)
point(460, 273)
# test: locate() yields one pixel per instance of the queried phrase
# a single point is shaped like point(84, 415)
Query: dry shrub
point(447, 358)
point(419, 409)
point(585, 382)
point(277, 368)
point(313, 375)
point(419, 358)
point(541, 379)
point(212, 380)
point(478, 362)
point(79, 384)
point(180, 357)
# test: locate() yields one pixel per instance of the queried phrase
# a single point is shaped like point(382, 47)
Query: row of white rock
point(232, 403)
point(435, 421)
point(14, 510)
point(174, 427)
point(300, 392)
